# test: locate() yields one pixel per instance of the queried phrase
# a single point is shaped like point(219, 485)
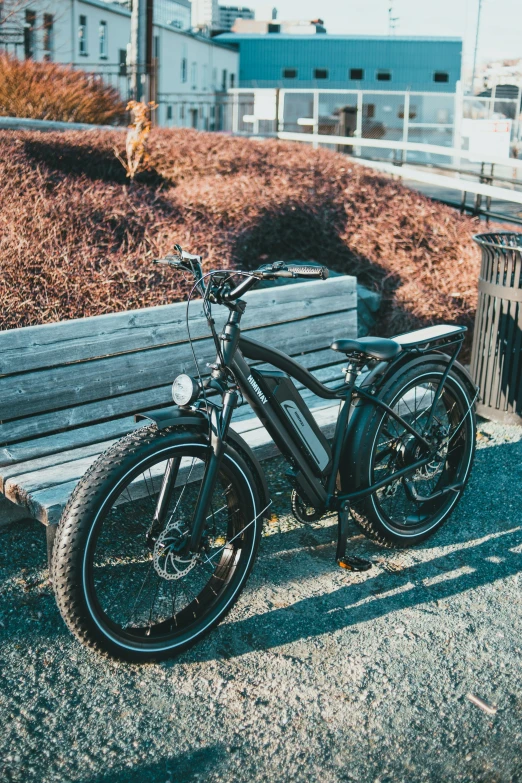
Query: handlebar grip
point(308, 272)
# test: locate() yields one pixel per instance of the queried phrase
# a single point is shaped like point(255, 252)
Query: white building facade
point(205, 15)
point(191, 70)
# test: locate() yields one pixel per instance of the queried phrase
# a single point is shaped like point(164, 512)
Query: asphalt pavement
point(316, 675)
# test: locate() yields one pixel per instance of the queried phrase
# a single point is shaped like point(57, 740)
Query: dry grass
point(46, 91)
point(76, 239)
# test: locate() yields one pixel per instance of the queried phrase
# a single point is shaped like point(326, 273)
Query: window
point(224, 79)
point(169, 112)
point(48, 36)
point(214, 78)
point(356, 74)
point(183, 69)
point(383, 76)
point(441, 77)
point(320, 73)
point(369, 110)
point(102, 35)
point(274, 28)
point(123, 62)
point(411, 114)
point(194, 76)
point(289, 73)
point(82, 36)
point(232, 80)
point(205, 77)
point(156, 47)
point(29, 37)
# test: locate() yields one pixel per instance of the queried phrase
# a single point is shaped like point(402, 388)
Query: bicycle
point(159, 536)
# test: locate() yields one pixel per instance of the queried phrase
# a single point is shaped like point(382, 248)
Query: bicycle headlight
point(184, 390)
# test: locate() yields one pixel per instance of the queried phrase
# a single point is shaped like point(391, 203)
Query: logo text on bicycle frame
point(257, 390)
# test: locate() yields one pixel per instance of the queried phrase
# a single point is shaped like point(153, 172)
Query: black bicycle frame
point(318, 490)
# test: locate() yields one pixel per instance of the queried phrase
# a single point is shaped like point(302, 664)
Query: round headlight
point(184, 390)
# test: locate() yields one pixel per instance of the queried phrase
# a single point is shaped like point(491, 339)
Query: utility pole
point(141, 48)
point(476, 46)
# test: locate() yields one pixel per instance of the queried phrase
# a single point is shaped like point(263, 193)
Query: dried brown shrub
point(76, 240)
point(47, 91)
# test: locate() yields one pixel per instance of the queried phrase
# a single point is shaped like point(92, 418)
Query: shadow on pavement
point(473, 566)
point(485, 542)
point(177, 769)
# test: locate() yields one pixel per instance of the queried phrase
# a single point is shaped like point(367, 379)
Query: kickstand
point(342, 532)
point(350, 563)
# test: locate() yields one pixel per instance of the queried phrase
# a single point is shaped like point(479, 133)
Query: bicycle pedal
point(354, 564)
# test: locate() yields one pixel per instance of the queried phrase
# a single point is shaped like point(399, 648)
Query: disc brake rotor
point(168, 564)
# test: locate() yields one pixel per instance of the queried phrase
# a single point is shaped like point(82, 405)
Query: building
point(191, 70)
point(205, 15)
point(246, 25)
point(347, 61)
point(176, 13)
point(229, 13)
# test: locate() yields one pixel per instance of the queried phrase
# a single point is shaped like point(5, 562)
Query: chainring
point(304, 513)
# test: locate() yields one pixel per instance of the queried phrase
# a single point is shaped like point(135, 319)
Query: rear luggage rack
point(423, 340)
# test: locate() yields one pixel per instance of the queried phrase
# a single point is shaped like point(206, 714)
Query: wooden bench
point(69, 389)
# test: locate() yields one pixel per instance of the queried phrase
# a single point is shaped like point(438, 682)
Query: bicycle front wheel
point(122, 582)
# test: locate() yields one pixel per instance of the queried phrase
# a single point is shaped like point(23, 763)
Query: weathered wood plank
point(44, 471)
point(24, 451)
point(46, 492)
point(63, 387)
point(41, 463)
point(64, 441)
point(51, 345)
point(15, 433)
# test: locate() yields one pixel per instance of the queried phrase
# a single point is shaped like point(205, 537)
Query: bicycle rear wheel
point(410, 509)
point(122, 583)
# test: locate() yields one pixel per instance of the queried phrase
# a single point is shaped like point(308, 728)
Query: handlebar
point(308, 272)
point(192, 263)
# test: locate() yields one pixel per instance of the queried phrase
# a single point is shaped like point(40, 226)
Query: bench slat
point(38, 461)
point(52, 345)
point(68, 388)
point(110, 430)
point(16, 433)
point(46, 503)
point(100, 379)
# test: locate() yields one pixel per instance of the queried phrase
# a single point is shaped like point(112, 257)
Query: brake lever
point(170, 261)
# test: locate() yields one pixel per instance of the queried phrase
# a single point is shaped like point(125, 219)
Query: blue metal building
point(347, 61)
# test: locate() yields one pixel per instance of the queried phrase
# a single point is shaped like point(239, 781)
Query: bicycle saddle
point(374, 347)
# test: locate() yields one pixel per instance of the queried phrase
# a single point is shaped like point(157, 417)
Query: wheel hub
point(168, 562)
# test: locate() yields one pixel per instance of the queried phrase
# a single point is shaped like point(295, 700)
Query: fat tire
point(363, 511)
point(78, 517)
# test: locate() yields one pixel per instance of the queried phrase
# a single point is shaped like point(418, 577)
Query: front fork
point(219, 424)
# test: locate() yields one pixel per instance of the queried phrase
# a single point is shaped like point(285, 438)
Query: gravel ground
point(317, 674)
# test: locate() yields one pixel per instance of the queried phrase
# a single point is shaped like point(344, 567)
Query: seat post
point(351, 372)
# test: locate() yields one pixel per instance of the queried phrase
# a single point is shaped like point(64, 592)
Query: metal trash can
point(496, 358)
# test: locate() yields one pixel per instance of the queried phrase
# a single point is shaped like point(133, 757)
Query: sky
point(500, 26)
